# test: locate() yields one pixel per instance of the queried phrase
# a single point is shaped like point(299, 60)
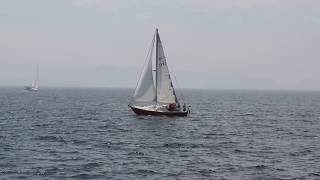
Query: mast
point(37, 78)
point(36, 81)
point(157, 38)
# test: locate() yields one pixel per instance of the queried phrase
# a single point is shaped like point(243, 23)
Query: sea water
point(88, 133)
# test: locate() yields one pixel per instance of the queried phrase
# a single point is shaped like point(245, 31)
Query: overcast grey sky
point(228, 44)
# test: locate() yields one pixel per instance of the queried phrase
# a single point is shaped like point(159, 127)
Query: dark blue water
point(71, 133)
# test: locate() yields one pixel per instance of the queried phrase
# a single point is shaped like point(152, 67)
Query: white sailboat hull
point(29, 88)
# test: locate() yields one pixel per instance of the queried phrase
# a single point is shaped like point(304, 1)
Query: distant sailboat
point(158, 99)
point(35, 83)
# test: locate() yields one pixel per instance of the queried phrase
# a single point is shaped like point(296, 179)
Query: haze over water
point(87, 133)
point(243, 44)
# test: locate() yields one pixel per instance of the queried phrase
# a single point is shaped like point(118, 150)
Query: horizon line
point(186, 88)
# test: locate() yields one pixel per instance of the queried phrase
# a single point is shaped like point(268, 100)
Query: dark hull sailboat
point(141, 111)
point(160, 96)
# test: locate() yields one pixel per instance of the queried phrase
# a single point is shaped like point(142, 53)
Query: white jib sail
point(145, 90)
point(165, 90)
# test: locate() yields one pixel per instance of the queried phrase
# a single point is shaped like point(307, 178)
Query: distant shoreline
point(185, 89)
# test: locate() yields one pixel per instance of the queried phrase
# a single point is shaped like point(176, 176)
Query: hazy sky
point(229, 44)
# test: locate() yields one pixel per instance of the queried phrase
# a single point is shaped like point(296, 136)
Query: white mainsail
point(164, 87)
point(145, 90)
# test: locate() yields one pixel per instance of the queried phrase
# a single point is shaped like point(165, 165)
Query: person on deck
point(172, 107)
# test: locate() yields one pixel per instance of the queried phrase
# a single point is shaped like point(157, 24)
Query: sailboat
point(157, 98)
point(35, 83)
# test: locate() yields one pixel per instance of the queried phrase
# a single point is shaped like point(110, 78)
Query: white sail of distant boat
point(35, 83)
point(157, 98)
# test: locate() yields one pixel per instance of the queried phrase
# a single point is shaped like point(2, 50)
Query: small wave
point(43, 125)
point(261, 167)
point(111, 145)
point(8, 165)
point(174, 145)
point(136, 153)
point(239, 151)
point(213, 134)
point(317, 174)
point(71, 159)
point(258, 167)
point(91, 165)
point(245, 115)
point(145, 172)
point(2, 118)
point(90, 118)
point(206, 172)
point(51, 138)
point(301, 153)
point(7, 172)
point(78, 142)
point(48, 171)
point(86, 176)
point(180, 145)
point(176, 174)
point(104, 127)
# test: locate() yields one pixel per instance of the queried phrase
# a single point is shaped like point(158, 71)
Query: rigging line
point(156, 38)
point(179, 87)
point(145, 63)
